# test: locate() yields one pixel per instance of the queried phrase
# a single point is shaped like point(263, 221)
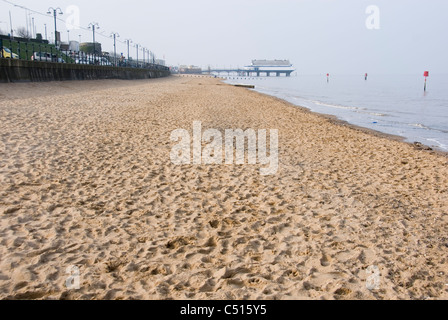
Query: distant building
point(174, 69)
point(271, 63)
point(64, 47)
point(73, 46)
point(159, 62)
point(277, 67)
point(90, 47)
point(58, 37)
point(190, 70)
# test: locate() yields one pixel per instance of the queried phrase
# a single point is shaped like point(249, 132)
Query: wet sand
point(86, 181)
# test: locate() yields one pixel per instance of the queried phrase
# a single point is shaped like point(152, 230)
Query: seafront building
point(190, 70)
point(268, 67)
point(258, 68)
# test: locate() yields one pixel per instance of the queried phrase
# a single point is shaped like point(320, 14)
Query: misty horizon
point(318, 37)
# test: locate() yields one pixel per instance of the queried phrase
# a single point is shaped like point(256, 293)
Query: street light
point(93, 26)
point(10, 23)
point(128, 42)
point(29, 26)
point(137, 45)
point(46, 38)
point(55, 12)
point(115, 35)
point(33, 31)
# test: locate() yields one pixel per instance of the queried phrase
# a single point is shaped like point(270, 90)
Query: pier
point(247, 73)
point(258, 68)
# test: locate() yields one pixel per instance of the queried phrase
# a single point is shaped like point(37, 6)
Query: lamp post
point(94, 26)
point(55, 12)
point(46, 38)
point(137, 45)
point(68, 36)
point(27, 22)
point(10, 23)
point(33, 31)
point(128, 41)
point(115, 35)
point(144, 61)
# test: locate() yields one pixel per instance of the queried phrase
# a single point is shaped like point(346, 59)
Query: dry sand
point(86, 181)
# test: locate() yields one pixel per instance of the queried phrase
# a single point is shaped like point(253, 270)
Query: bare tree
point(23, 33)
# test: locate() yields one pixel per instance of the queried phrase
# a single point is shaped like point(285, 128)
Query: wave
point(375, 114)
point(337, 106)
point(419, 125)
point(440, 144)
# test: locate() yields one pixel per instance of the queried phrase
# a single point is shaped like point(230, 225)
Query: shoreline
point(335, 120)
point(339, 121)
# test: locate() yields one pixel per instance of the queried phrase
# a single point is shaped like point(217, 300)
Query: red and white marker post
point(426, 75)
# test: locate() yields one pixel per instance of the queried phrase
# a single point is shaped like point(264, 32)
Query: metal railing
point(45, 52)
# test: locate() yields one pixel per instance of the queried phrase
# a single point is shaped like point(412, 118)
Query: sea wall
point(12, 70)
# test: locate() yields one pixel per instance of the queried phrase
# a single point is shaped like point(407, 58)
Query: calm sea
point(393, 104)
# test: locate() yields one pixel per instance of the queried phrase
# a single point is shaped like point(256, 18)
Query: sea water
point(393, 104)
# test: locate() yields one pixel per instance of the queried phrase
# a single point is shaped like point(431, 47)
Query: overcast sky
point(318, 36)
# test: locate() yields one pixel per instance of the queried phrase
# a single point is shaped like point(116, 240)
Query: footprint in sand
point(325, 261)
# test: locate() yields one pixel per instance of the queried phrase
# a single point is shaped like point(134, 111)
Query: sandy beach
point(86, 181)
